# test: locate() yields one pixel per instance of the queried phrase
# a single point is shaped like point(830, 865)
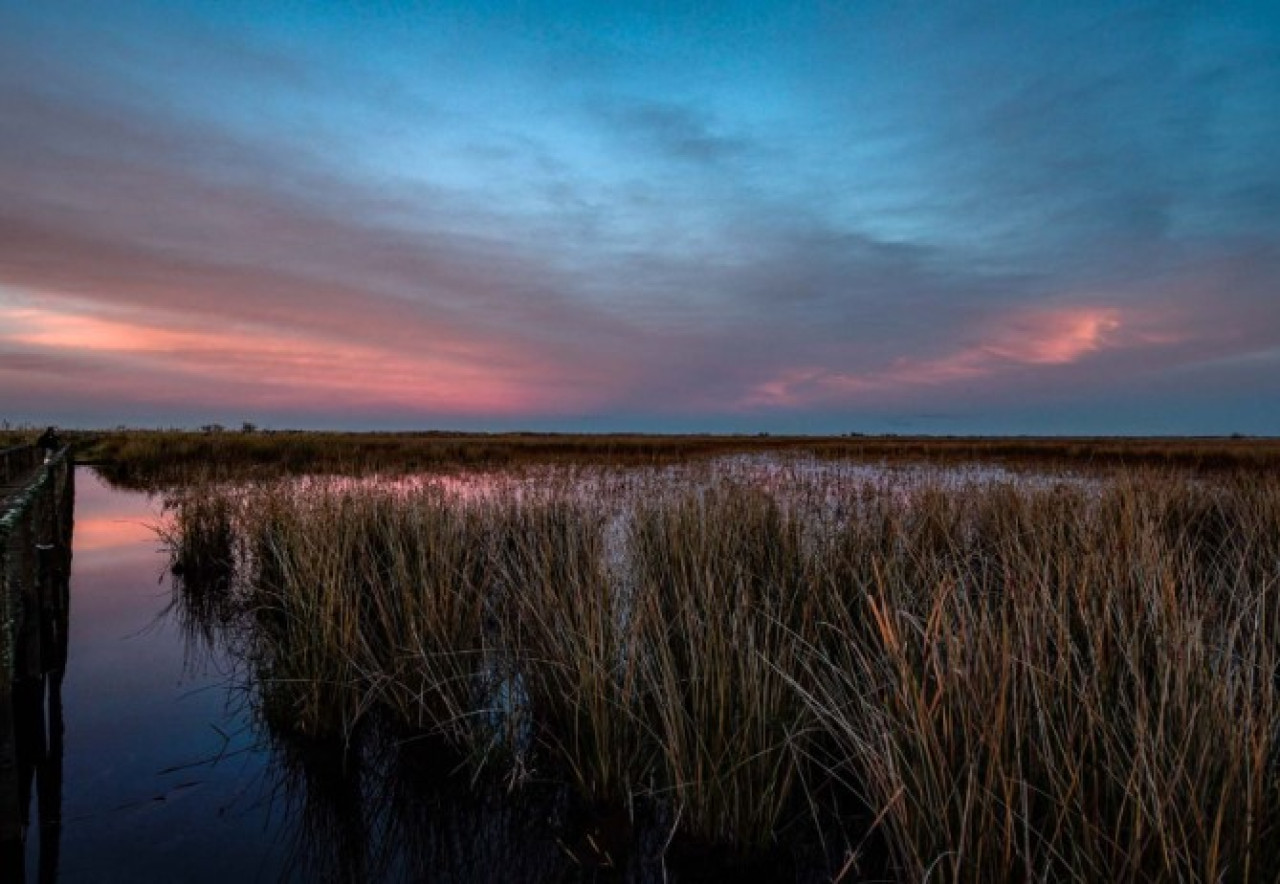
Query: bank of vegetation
point(1000, 681)
point(166, 458)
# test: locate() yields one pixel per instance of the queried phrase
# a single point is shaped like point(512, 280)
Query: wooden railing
point(35, 564)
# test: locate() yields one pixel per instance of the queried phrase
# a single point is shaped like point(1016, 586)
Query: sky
point(1041, 218)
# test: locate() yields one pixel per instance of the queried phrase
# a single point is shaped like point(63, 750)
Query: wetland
point(780, 663)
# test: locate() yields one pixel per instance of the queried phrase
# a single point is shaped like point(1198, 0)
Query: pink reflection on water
point(824, 495)
point(109, 533)
point(806, 484)
point(110, 525)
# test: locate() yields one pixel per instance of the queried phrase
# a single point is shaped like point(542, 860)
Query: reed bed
point(156, 459)
point(1062, 686)
point(1005, 681)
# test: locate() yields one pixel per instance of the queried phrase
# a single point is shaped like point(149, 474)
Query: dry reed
point(1016, 682)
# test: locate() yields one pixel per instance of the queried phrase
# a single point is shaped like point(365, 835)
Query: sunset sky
point(751, 216)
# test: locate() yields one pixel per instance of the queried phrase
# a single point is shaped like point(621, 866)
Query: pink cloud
point(1055, 337)
point(1029, 340)
point(260, 366)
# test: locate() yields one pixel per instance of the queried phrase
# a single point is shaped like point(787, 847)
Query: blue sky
point(993, 218)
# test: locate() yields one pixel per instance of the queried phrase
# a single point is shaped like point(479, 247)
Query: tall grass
point(721, 605)
point(360, 598)
point(1068, 687)
point(1014, 682)
point(570, 642)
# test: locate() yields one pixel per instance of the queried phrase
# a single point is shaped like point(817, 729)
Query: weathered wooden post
point(53, 572)
point(35, 556)
point(12, 863)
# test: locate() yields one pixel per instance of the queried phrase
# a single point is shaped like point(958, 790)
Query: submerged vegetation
point(1058, 679)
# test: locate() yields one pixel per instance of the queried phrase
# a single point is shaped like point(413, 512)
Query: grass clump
point(722, 603)
point(1008, 682)
point(1063, 693)
point(571, 643)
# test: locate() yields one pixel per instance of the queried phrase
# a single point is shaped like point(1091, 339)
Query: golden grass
point(1063, 686)
point(1054, 681)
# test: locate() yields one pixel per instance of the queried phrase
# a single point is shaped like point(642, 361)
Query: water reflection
point(379, 808)
point(35, 564)
point(390, 806)
point(159, 775)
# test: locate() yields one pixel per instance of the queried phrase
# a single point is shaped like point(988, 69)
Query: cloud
point(1007, 207)
point(140, 243)
point(1029, 340)
point(260, 367)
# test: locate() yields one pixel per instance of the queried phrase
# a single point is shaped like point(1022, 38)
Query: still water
point(163, 778)
point(168, 775)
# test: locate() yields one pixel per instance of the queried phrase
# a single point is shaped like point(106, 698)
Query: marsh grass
point(362, 599)
point(721, 606)
point(1064, 681)
point(1080, 693)
point(569, 641)
point(164, 459)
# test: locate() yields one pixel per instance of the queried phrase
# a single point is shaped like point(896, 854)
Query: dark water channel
point(146, 761)
point(162, 779)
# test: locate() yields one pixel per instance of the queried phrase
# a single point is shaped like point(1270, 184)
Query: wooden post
point(35, 556)
point(12, 863)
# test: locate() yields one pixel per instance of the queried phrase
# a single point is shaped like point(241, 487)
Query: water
point(163, 779)
point(167, 774)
